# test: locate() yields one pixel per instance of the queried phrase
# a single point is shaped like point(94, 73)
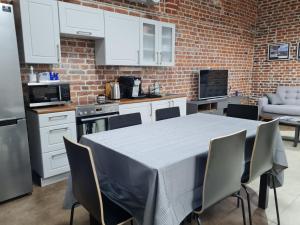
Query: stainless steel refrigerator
point(15, 170)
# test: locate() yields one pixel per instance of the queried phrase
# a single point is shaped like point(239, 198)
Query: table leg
point(93, 221)
point(263, 192)
point(296, 139)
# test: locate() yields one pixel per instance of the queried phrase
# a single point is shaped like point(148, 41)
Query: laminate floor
point(44, 206)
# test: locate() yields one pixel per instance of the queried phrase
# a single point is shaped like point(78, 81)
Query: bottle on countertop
point(156, 88)
point(32, 75)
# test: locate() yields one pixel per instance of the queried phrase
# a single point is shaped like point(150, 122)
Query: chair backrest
point(85, 183)
point(223, 168)
point(249, 112)
point(125, 120)
point(167, 113)
point(262, 153)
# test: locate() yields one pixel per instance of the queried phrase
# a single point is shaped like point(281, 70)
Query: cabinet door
point(167, 44)
point(40, 31)
point(122, 39)
point(149, 42)
point(77, 20)
point(181, 103)
point(159, 105)
point(143, 108)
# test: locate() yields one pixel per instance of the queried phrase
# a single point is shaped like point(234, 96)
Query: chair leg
point(72, 212)
point(238, 200)
point(276, 200)
point(249, 203)
point(198, 220)
point(243, 207)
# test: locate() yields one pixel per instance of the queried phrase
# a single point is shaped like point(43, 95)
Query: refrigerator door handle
point(7, 122)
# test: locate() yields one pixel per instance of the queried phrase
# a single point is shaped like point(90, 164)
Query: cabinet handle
point(157, 58)
point(160, 58)
point(84, 33)
point(58, 53)
point(59, 130)
point(56, 118)
point(138, 55)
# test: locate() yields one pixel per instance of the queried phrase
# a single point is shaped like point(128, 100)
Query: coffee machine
point(131, 87)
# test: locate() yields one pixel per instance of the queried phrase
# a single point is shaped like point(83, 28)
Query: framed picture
point(280, 51)
point(298, 51)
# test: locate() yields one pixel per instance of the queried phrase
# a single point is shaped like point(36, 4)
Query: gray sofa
point(290, 106)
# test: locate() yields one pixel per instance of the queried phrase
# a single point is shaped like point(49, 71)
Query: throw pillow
point(274, 99)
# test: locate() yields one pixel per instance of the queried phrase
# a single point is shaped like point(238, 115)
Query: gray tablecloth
point(155, 171)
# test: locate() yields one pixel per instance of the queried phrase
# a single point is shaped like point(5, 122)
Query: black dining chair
point(223, 171)
point(86, 188)
point(167, 113)
point(126, 120)
point(262, 161)
point(249, 112)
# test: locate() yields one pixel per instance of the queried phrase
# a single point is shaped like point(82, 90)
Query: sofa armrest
point(261, 103)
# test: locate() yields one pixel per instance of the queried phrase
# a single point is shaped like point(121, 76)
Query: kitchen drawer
point(51, 119)
point(55, 163)
point(52, 137)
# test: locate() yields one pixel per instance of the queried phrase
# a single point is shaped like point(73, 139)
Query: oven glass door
point(45, 93)
point(92, 125)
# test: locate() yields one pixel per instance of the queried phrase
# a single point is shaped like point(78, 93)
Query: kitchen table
point(155, 171)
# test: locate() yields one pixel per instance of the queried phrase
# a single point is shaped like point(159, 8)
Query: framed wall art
point(280, 51)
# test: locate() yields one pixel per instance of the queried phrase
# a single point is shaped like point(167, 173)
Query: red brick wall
point(215, 34)
point(278, 21)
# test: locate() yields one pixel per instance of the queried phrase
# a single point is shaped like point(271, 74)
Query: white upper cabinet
point(81, 21)
point(167, 44)
point(122, 41)
point(157, 43)
point(40, 30)
point(149, 40)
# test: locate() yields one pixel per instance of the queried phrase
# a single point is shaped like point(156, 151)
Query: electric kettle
point(115, 91)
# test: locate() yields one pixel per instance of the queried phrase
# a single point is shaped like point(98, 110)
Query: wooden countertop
point(54, 109)
point(71, 107)
point(140, 100)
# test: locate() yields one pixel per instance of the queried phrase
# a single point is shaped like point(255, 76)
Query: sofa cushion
point(274, 99)
point(289, 95)
point(292, 110)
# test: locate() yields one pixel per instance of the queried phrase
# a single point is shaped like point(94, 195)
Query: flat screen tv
point(213, 84)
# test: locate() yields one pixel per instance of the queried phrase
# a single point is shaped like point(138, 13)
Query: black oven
point(46, 94)
point(94, 118)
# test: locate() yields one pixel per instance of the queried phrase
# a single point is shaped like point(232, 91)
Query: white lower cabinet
point(159, 105)
point(148, 109)
point(143, 108)
point(47, 151)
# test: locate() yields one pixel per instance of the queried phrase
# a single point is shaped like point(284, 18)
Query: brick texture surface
point(217, 34)
point(278, 22)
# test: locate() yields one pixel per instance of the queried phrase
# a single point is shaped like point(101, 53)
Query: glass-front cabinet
point(149, 42)
point(157, 43)
point(167, 44)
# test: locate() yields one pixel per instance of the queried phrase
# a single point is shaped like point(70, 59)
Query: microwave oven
point(46, 94)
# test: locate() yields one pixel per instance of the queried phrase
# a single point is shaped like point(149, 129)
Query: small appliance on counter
point(131, 87)
point(115, 91)
point(46, 94)
point(154, 90)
